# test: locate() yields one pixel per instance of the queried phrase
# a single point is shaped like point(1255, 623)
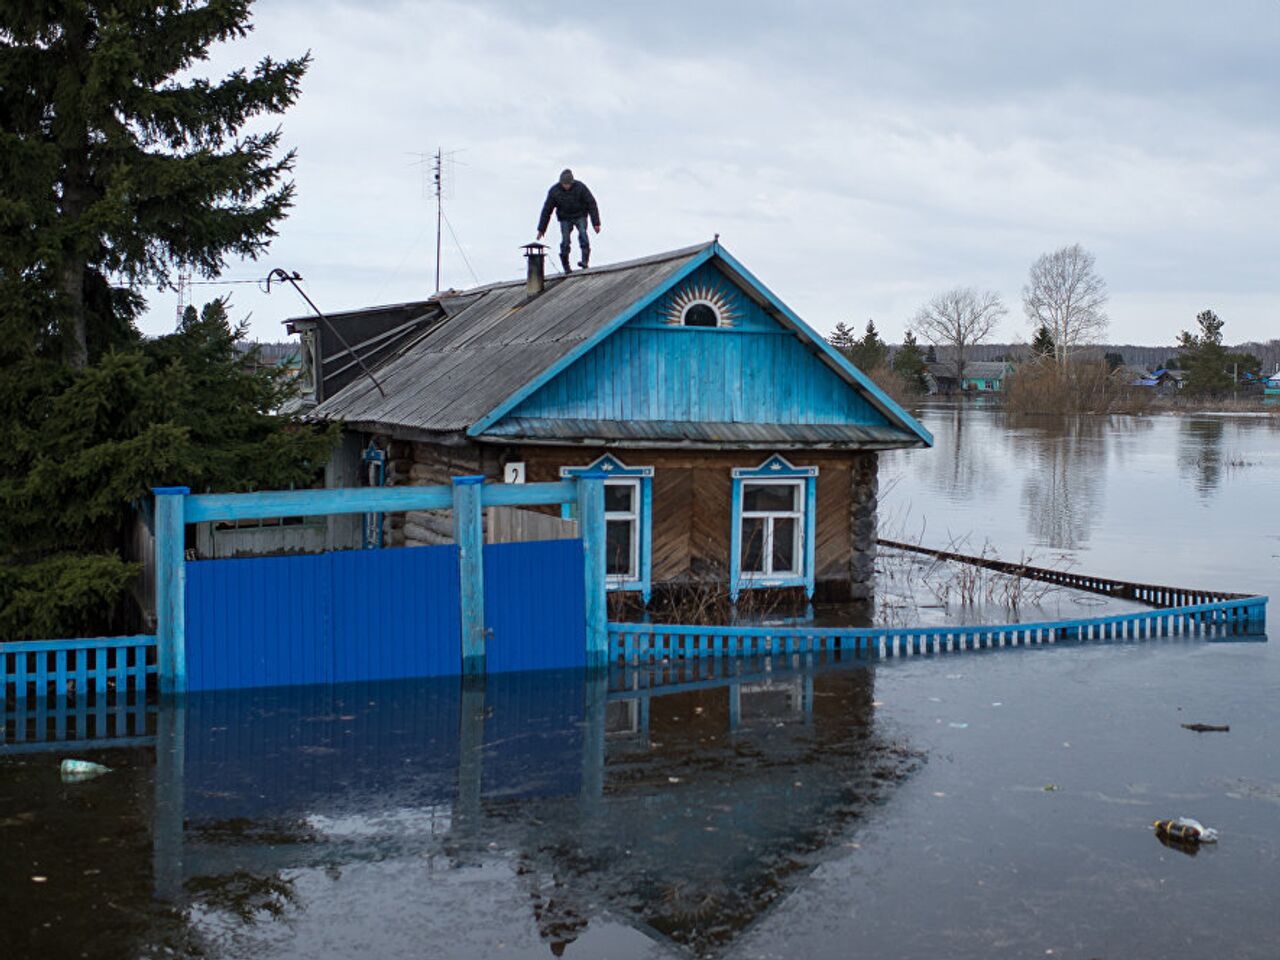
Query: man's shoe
point(564, 262)
point(585, 261)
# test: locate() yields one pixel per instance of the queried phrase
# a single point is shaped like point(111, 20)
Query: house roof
point(986, 369)
point(973, 369)
point(495, 339)
point(496, 345)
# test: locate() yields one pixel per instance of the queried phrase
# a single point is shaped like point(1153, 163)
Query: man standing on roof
point(573, 204)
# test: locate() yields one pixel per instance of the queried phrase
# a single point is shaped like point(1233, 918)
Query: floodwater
point(976, 805)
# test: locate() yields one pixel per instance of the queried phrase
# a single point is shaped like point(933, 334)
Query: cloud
point(857, 157)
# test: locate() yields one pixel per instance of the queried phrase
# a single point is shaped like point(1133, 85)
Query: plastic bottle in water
point(82, 770)
point(1185, 830)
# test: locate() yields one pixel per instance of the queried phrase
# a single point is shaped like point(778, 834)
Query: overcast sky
point(858, 158)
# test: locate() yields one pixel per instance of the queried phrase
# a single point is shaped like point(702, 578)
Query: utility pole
point(184, 291)
point(438, 171)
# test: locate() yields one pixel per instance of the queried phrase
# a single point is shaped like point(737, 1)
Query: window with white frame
point(772, 528)
point(622, 530)
point(628, 520)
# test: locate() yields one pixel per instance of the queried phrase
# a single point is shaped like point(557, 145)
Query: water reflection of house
point(742, 448)
point(690, 811)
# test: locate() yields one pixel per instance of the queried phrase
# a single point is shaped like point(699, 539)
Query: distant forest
point(1134, 355)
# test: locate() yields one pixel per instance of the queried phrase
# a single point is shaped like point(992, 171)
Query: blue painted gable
point(752, 369)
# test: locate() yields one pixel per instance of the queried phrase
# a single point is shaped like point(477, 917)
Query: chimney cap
point(534, 249)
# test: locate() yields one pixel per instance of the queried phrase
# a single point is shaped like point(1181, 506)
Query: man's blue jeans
point(566, 230)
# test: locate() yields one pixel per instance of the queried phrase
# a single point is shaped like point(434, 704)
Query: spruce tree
point(114, 170)
point(1042, 345)
point(842, 338)
point(117, 167)
point(1204, 357)
point(909, 364)
point(870, 352)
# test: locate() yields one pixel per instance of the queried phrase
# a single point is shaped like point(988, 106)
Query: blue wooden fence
point(644, 643)
point(93, 689)
point(366, 615)
point(80, 668)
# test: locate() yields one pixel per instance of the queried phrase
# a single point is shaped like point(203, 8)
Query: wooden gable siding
point(692, 510)
point(753, 372)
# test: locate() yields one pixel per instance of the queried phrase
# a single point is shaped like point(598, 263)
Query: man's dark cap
point(566, 175)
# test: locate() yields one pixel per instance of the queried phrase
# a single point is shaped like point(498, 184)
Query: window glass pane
point(769, 497)
point(617, 548)
point(618, 497)
point(753, 544)
point(784, 544)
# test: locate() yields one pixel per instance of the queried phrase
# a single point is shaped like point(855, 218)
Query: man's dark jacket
point(571, 204)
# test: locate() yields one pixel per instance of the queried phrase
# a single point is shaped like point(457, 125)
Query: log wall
point(692, 509)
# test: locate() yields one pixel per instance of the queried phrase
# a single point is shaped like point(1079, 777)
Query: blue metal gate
point(534, 605)
point(325, 618)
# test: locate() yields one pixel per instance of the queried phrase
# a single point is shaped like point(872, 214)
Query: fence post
point(468, 534)
point(591, 523)
point(171, 593)
point(1256, 614)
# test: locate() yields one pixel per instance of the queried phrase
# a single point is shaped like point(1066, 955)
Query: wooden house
point(980, 376)
point(741, 448)
point(1271, 388)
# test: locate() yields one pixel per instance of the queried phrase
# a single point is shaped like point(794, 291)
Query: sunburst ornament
point(697, 304)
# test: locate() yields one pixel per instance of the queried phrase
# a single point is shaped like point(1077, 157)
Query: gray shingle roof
point(973, 370)
point(494, 342)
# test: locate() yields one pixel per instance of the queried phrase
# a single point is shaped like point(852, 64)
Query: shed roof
point(496, 344)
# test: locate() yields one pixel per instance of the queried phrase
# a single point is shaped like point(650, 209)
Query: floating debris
point(1185, 830)
point(73, 771)
point(1207, 727)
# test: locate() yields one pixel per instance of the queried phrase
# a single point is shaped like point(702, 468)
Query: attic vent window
point(701, 305)
point(700, 315)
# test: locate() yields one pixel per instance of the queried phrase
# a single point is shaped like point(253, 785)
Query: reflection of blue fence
point(640, 643)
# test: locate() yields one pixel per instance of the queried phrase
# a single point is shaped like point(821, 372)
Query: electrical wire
point(460, 250)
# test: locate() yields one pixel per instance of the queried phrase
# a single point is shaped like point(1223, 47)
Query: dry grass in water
point(1044, 387)
point(707, 603)
point(908, 582)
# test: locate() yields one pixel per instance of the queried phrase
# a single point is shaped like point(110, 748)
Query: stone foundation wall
point(864, 500)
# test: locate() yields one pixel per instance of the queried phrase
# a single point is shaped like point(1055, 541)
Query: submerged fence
point(1154, 594)
point(77, 668)
point(503, 606)
point(85, 690)
point(632, 644)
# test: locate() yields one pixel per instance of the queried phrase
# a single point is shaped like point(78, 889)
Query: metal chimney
point(535, 279)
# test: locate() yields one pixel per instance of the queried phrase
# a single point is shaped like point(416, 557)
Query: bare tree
point(959, 319)
point(1065, 295)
